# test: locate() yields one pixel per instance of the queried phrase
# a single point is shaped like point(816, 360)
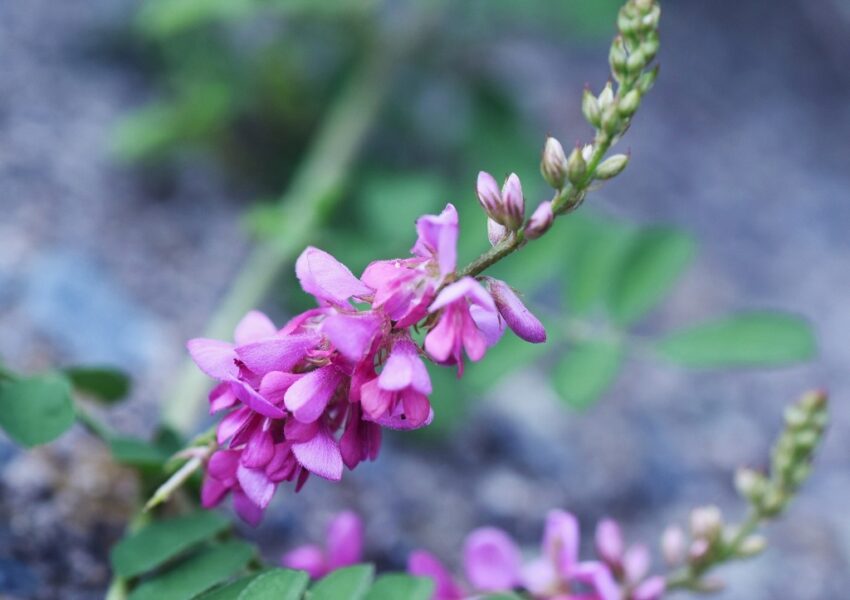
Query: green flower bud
point(650, 45)
point(606, 97)
point(750, 484)
point(752, 545)
point(706, 522)
point(612, 166)
point(629, 103)
point(636, 62)
point(647, 80)
point(576, 166)
point(590, 108)
point(618, 57)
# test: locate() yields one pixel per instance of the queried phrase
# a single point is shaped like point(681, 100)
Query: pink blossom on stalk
point(505, 207)
point(468, 321)
point(343, 548)
point(540, 221)
point(514, 312)
point(437, 239)
point(629, 565)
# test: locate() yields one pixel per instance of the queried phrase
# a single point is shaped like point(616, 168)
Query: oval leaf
point(197, 574)
point(760, 338)
point(162, 540)
point(587, 370)
point(101, 383)
point(36, 410)
point(276, 584)
point(651, 264)
point(395, 586)
point(350, 583)
point(137, 453)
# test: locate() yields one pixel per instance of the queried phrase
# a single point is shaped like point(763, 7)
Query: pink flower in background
point(468, 321)
point(629, 565)
point(343, 548)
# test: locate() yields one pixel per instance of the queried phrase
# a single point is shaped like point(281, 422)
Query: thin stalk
point(310, 198)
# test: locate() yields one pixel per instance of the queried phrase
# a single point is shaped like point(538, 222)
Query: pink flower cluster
point(493, 563)
point(313, 396)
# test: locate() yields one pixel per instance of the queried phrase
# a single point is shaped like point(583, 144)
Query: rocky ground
point(743, 143)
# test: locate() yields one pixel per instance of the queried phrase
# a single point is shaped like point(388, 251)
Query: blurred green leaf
point(503, 596)
point(592, 267)
point(509, 355)
point(102, 383)
point(228, 591)
point(36, 410)
point(136, 452)
point(651, 264)
point(276, 584)
point(163, 540)
point(391, 203)
point(395, 586)
point(587, 370)
point(757, 338)
point(351, 583)
point(197, 574)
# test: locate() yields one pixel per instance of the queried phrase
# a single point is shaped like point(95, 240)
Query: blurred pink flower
point(343, 548)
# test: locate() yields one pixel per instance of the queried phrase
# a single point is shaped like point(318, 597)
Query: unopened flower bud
point(750, 484)
point(553, 166)
point(612, 166)
point(699, 550)
point(647, 80)
point(617, 57)
point(540, 221)
point(650, 20)
point(636, 62)
point(611, 120)
point(650, 45)
point(627, 22)
point(629, 103)
point(576, 166)
point(795, 417)
point(606, 97)
point(752, 546)
point(489, 195)
point(495, 232)
point(673, 545)
point(706, 522)
point(506, 207)
point(590, 108)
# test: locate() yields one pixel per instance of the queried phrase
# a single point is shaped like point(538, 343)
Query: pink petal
point(651, 589)
point(636, 562)
point(212, 492)
point(274, 385)
point(597, 575)
point(424, 564)
point(352, 335)
point(222, 465)
point(465, 287)
point(405, 369)
point(308, 397)
point(438, 238)
point(515, 313)
point(381, 272)
point(309, 558)
point(232, 423)
point(213, 357)
point(399, 421)
point(320, 455)
point(247, 510)
point(488, 192)
point(345, 540)
point(474, 341)
point(512, 198)
point(561, 541)
point(539, 576)
point(256, 485)
point(253, 326)
point(496, 232)
point(326, 278)
point(259, 450)
point(609, 542)
point(360, 441)
point(374, 400)
point(222, 397)
point(441, 341)
point(275, 354)
point(255, 401)
point(417, 409)
point(491, 560)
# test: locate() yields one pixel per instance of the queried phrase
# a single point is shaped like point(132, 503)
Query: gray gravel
point(743, 143)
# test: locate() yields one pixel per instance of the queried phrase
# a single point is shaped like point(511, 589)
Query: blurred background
point(144, 150)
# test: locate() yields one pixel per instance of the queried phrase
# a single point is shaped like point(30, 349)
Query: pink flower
point(468, 321)
point(343, 548)
point(398, 397)
point(437, 239)
point(514, 312)
point(505, 207)
point(629, 565)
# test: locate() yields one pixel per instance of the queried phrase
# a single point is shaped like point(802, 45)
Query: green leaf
point(756, 338)
point(395, 586)
point(102, 383)
point(276, 584)
point(503, 596)
point(392, 202)
point(587, 370)
point(228, 591)
point(197, 574)
point(350, 583)
point(136, 452)
point(162, 540)
point(510, 354)
point(651, 264)
point(36, 410)
point(593, 265)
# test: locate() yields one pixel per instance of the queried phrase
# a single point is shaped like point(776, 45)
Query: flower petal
point(425, 564)
point(213, 357)
point(326, 278)
point(441, 341)
point(308, 397)
point(275, 354)
point(345, 540)
point(596, 575)
point(246, 509)
point(253, 400)
point(636, 563)
point(274, 385)
point(259, 450)
point(609, 542)
point(352, 335)
point(515, 313)
point(405, 369)
point(309, 558)
point(222, 397)
point(256, 485)
point(465, 287)
point(253, 326)
point(561, 540)
point(438, 238)
point(320, 455)
point(651, 589)
point(492, 560)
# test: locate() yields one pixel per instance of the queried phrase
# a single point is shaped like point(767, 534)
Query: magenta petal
point(651, 589)
point(308, 397)
point(636, 562)
point(326, 278)
point(515, 313)
point(222, 397)
point(395, 421)
point(374, 400)
point(213, 357)
point(539, 576)
point(345, 540)
point(405, 369)
point(275, 354)
point(352, 335)
point(474, 341)
point(247, 510)
point(212, 492)
point(609, 542)
point(596, 575)
point(222, 465)
point(232, 423)
point(440, 341)
point(492, 560)
point(256, 485)
point(465, 287)
point(256, 402)
point(259, 450)
point(253, 327)
point(274, 385)
point(561, 540)
point(424, 564)
point(309, 558)
point(489, 323)
point(320, 455)
point(438, 238)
